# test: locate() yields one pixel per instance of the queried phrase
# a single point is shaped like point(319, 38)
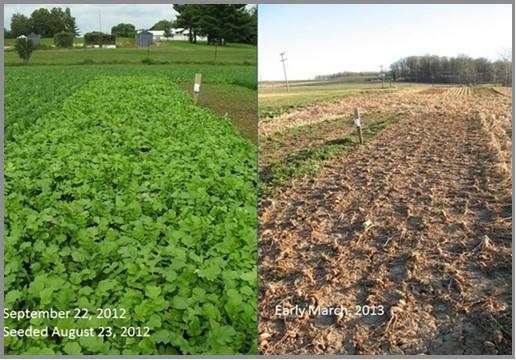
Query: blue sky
point(87, 15)
point(323, 39)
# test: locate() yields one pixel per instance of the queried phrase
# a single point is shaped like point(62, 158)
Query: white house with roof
point(157, 35)
point(184, 34)
point(180, 34)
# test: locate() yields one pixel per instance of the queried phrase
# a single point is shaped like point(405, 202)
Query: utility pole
point(100, 23)
point(283, 59)
point(382, 74)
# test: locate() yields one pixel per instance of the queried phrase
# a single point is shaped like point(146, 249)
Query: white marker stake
point(197, 88)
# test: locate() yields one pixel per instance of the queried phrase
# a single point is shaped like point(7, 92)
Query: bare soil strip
point(418, 221)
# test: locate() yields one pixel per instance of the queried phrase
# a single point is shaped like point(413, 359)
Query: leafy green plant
point(128, 196)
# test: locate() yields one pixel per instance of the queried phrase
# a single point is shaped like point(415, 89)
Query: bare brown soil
point(418, 221)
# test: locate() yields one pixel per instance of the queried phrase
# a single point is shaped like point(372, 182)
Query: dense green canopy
point(43, 22)
point(219, 23)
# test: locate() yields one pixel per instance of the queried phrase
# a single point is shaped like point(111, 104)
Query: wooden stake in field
point(197, 88)
point(358, 125)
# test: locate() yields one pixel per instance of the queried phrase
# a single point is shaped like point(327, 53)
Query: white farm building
point(175, 34)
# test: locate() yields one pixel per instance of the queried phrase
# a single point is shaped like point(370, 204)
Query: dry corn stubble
point(435, 193)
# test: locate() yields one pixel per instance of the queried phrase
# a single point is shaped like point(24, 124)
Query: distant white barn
point(175, 34)
point(180, 34)
point(184, 35)
point(157, 35)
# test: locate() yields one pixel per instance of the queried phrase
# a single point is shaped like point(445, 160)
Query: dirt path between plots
point(417, 221)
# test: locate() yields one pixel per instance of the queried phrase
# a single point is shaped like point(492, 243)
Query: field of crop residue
point(409, 233)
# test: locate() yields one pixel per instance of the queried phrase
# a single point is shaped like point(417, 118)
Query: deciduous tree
point(123, 30)
point(20, 25)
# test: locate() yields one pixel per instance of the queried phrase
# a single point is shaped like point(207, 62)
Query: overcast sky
point(323, 39)
point(87, 16)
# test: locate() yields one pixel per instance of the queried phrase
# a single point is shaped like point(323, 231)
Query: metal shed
point(34, 38)
point(143, 39)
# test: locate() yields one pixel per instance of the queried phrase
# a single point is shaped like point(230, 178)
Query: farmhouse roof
point(179, 31)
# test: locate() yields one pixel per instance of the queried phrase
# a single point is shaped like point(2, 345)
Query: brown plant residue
point(419, 220)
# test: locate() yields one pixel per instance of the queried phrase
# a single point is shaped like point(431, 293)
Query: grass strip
point(307, 162)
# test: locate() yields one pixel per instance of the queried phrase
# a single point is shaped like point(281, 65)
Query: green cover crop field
point(120, 194)
point(31, 91)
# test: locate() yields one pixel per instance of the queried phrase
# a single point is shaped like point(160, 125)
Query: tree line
point(43, 22)
point(440, 69)
point(219, 23)
point(453, 70)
